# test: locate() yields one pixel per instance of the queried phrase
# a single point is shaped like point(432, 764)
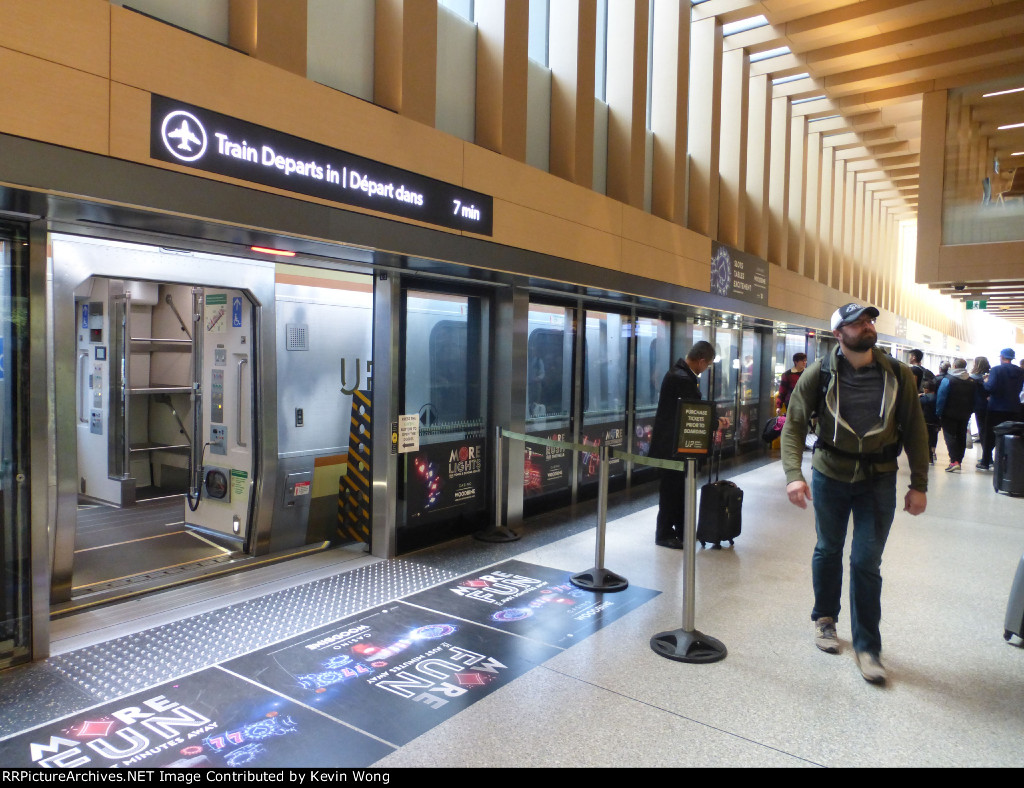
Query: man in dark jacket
point(920, 373)
point(680, 383)
point(868, 410)
point(1003, 386)
point(954, 404)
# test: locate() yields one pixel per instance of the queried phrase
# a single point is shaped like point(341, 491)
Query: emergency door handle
point(82, 354)
point(241, 363)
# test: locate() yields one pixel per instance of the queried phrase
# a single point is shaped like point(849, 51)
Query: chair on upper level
point(1015, 189)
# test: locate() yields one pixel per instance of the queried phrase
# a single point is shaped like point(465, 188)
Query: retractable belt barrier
point(597, 578)
point(685, 644)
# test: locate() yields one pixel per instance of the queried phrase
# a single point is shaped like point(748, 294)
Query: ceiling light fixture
point(1001, 92)
point(1012, 126)
point(267, 250)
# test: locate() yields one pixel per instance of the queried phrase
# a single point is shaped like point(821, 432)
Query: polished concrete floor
point(955, 697)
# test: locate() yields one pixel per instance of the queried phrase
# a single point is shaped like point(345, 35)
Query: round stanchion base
point(599, 579)
point(684, 646)
point(502, 534)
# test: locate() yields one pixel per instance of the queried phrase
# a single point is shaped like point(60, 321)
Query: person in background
point(978, 373)
point(954, 404)
point(943, 371)
point(1003, 386)
point(680, 383)
point(931, 419)
point(788, 382)
point(920, 373)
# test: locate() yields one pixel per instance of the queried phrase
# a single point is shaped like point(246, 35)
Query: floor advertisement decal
point(209, 719)
point(533, 601)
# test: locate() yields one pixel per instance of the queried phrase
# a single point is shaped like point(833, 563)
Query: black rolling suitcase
point(721, 504)
point(1008, 465)
point(1014, 624)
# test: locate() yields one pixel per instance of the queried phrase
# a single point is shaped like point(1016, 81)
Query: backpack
point(772, 429)
point(887, 454)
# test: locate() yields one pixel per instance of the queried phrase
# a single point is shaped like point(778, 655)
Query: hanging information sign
point(194, 137)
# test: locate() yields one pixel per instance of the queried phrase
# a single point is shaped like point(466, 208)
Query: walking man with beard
point(867, 410)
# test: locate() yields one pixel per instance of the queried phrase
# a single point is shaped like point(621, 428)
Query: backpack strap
point(891, 451)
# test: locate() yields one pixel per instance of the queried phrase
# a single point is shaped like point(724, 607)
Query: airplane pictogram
point(186, 137)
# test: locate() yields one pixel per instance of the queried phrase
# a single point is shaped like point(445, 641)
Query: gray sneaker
point(870, 668)
point(825, 635)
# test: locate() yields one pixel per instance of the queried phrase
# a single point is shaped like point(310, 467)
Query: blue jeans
point(873, 505)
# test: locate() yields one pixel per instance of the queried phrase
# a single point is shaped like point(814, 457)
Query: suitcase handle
point(716, 454)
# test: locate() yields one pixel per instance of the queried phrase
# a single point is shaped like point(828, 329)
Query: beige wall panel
point(501, 61)
point(573, 23)
point(522, 227)
point(652, 231)
point(815, 300)
point(219, 79)
point(272, 30)
point(933, 153)
point(129, 124)
point(658, 264)
point(988, 262)
point(53, 103)
point(521, 184)
point(74, 34)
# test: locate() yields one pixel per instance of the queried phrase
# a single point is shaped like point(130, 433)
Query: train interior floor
point(581, 690)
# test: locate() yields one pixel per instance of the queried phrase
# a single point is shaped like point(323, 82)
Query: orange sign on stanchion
point(687, 644)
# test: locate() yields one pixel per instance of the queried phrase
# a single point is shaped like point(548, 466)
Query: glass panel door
point(549, 364)
point(725, 381)
point(605, 382)
point(653, 360)
point(747, 430)
point(15, 580)
point(444, 483)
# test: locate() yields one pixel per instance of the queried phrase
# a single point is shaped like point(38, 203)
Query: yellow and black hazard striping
point(354, 510)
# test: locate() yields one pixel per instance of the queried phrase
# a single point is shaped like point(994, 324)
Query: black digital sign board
point(191, 136)
point(739, 275)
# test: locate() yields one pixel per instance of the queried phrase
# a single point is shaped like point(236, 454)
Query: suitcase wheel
point(1007, 634)
point(732, 543)
point(716, 546)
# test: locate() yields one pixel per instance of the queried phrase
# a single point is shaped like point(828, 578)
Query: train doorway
point(161, 473)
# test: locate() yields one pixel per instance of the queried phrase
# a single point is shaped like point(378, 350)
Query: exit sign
point(977, 304)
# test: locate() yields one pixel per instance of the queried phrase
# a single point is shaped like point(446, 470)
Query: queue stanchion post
point(687, 644)
point(498, 532)
point(598, 578)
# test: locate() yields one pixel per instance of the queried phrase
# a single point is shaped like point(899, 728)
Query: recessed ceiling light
point(1011, 126)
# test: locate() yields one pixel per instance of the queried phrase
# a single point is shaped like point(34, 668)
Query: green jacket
point(901, 421)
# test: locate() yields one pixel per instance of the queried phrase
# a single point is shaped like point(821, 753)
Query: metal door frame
point(498, 313)
point(254, 277)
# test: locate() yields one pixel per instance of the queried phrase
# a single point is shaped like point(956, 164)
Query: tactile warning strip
point(131, 663)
